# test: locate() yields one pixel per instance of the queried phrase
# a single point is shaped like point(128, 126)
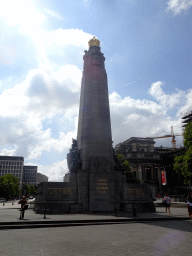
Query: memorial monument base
point(93, 193)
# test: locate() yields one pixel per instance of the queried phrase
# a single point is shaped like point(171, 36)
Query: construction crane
point(170, 135)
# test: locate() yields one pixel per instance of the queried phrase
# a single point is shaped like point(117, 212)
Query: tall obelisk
point(92, 184)
point(94, 137)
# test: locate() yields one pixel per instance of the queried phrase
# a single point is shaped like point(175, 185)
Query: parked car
point(2, 200)
point(31, 197)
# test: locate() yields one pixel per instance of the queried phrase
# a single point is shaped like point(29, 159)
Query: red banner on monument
point(163, 177)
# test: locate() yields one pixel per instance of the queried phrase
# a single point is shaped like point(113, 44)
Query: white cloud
point(63, 37)
point(21, 14)
point(43, 93)
point(42, 96)
point(55, 172)
point(19, 19)
point(53, 14)
point(144, 118)
point(8, 53)
point(134, 118)
point(188, 102)
point(8, 152)
point(177, 6)
point(166, 100)
point(47, 143)
point(49, 91)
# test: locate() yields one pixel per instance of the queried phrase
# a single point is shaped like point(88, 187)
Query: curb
point(45, 224)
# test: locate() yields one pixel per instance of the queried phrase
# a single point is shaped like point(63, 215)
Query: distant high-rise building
point(30, 175)
point(12, 165)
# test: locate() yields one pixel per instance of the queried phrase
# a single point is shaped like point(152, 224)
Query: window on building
point(149, 173)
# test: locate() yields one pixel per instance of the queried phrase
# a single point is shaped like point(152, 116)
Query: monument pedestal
point(101, 192)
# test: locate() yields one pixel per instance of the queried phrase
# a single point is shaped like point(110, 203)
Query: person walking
point(189, 202)
point(167, 201)
point(189, 192)
point(23, 203)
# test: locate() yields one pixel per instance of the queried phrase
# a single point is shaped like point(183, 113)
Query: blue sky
point(147, 46)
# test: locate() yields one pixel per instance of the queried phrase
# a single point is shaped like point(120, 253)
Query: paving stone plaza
point(149, 238)
point(142, 235)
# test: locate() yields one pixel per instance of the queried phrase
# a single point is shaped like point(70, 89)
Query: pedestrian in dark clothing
point(189, 192)
point(167, 201)
point(23, 203)
point(189, 202)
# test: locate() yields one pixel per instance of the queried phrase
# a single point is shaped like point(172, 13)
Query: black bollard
point(45, 207)
point(44, 213)
point(134, 210)
point(134, 213)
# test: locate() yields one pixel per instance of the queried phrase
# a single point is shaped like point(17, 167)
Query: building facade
point(144, 159)
point(41, 178)
point(12, 165)
point(15, 165)
point(30, 175)
point(186, 117)
point(174, 180)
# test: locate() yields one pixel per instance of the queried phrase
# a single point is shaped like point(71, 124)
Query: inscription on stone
point(59, 191)
point(135, 191)
point(102, 186)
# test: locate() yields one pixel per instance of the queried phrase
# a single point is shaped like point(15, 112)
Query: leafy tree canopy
point(188, 135)
point(32, 190)
point(183, 163)
point(9, 186)
point(29, 189)
point(127, 169)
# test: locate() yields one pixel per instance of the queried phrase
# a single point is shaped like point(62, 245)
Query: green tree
point(183, 163)
point(27, 189)
point(121, 158)
point(9, 186)
point(32, 190)
point(130, 178)
point(3, 190)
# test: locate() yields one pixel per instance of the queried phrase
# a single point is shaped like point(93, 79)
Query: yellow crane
point(170, 135)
